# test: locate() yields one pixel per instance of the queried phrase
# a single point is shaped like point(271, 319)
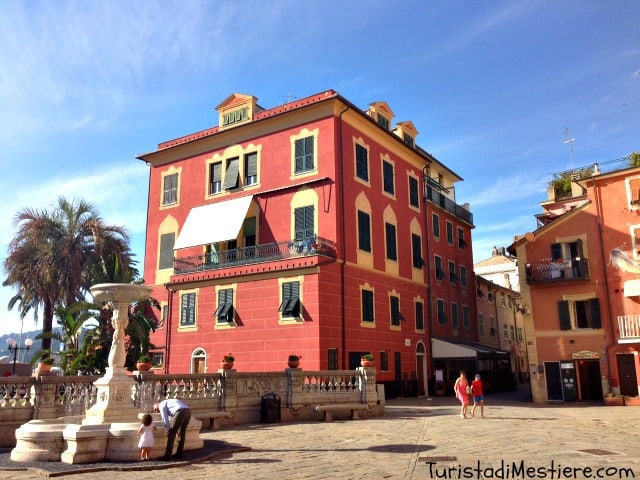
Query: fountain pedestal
point(109, 429)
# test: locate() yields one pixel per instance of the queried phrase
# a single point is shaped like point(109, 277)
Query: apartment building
point(581, 281)
point(303, 229)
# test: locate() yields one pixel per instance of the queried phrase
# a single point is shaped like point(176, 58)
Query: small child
point(478, 396)
point(147, 440)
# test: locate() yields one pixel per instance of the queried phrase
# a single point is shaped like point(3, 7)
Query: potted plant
point(45, 364)
point(632, 401)
point(294, 361)
point(227, 361)
point(144, 363)
point(367, 360)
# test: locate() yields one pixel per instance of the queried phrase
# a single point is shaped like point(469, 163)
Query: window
point(332, 358)
point(383, 122)
point(251, 169)
point(462, 243)
point(439, 270)
point(290, 306)
point(364, 231)
point(463, 276)
point(362, 163)
point(304, 223)
point(449, 232)
point(416, 251)
point(224, 312)
point(465, 317)
point(519, 333)
point(503, 300)
point(367, 305)
point(512, 333)
point(384, 361)
point(396, 316)
point(436, 225)
point(419, 313)
point(452, 272)
point(579, 314)
point(480, 323)
point(188, 310)
point(454, 314)
point(387, 174)
point(164, 316)
point(390, 233)
point(304, 155)
point(633, 192)
point(442, 317)
point(170, 189)
point(157, 359)
point(215, 178)
point(414, 198)
point(492, 326)
point(505, 331)
point(570, 253)
point(408, 140)
point(165, 259)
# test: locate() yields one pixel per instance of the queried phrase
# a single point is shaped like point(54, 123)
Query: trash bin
point(270, 408)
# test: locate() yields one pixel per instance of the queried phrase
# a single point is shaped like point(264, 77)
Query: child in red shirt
point(478, 397)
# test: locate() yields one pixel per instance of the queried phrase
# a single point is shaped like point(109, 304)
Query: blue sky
point(491, 87)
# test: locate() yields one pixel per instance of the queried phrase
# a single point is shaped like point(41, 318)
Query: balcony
point(449, 205)
point(629, 326)
point(563, 270)
point(267, 252)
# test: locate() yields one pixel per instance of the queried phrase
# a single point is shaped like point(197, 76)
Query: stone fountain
point(108, 431)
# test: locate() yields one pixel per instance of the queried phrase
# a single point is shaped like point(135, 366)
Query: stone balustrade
point(239, 394)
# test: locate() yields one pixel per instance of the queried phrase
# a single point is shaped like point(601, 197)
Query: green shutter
point(252, 164)
point(167, 241)
point(594, 305)
point(231, 177)
point(564, 315)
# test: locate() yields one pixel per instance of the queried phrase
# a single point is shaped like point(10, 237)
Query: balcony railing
point(562, 270)
point(449, 205)
point(629, 326)
point(255, 254)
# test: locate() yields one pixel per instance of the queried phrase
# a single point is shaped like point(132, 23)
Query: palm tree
point(55, 255)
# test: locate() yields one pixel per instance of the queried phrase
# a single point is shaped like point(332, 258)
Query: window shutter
point(167, 241)
point(304, 154)
point(217, 172)
point(252, 165)
point(416, 243)
point(304, 227)
point(362, 162)
point(579, 248)
point(231, 178)
point(594, 305)
point(390, 231)
point(564, 315)
point(364, 235)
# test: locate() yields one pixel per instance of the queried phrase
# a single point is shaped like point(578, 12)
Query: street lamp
point(14, 347)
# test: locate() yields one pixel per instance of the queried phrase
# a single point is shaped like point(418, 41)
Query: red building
point(582, 273)
point(304, 229)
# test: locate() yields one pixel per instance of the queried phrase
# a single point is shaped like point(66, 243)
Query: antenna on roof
point(570, 141)
point(289, 98)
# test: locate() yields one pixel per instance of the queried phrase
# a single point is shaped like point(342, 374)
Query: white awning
point(442, 349)
point(213, 223)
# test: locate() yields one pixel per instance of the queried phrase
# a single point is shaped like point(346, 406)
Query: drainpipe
point(343, 246)
point(606, 280)
point(427, 264)
point(167, 326)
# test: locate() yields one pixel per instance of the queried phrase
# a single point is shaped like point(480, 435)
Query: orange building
point(582, 282)
point(300, 229)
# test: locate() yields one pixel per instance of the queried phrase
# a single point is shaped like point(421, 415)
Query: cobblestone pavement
point(419, 439)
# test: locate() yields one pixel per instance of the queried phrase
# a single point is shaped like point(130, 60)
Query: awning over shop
point(213, 223)
point(461, 349)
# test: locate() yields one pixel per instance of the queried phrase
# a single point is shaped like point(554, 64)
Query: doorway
point(554, 381)
point(589, 380)
point(628, 376)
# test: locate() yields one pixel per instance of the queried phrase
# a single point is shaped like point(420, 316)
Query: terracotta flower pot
point(366, 363)
point(293, 363)
point(44, 367)
point(226, 365)
point(143, 366)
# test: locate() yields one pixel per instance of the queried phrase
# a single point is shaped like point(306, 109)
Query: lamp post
point(14, 347)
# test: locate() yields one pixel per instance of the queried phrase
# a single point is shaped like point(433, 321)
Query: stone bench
point(214, 418)
point(328, 410)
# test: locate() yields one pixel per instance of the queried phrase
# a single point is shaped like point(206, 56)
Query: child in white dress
point(147, 441)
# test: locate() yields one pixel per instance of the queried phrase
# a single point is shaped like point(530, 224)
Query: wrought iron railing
point(559, 270)
point(449, 205)
point(266, 252)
